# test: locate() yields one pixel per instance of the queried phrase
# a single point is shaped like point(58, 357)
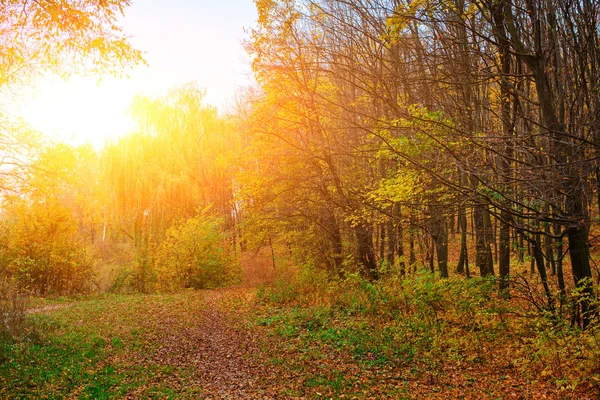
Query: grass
point(419, 337)
point(422, 337)
point(99, 349)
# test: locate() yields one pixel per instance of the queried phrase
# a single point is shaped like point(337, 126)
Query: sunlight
point(82, 109)
point(91, 110)
point(79, 110)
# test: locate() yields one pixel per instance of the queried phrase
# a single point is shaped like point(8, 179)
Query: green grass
point(98, 349)
point(397, 339)
point(355, 338)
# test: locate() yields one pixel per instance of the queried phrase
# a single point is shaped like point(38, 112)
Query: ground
point(217, 345)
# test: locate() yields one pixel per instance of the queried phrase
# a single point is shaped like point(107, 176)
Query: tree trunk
point(582, 273)
point(400, 245)
point(549, 248)
point(463, 259)
point(483, 252)
point(431, 257)
point(366, 255)
point(412, 256)
point(390, 256)
point(440, 238)
point(539, 260)
point(532, 259)
point(521, 253)
point(382, 239)
point(504, 257)
point(559, 266)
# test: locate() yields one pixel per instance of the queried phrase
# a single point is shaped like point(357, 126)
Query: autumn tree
point(506, 129)
point(60, 37)
point(51, 225)
point(177, 161)
point(63, 37)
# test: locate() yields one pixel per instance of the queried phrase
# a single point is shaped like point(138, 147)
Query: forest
point(404, 204)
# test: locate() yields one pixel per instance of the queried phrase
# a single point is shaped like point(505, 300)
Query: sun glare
point(79, 110)
point(91, 110)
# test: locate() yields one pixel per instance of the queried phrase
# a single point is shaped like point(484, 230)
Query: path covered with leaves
point(222, 360)
point(139, 346)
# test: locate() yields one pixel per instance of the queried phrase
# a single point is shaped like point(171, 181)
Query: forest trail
point(225, 360)
point(188, 345)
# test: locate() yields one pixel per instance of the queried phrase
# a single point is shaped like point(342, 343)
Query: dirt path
point(221, 354)
point(51, 307)
point(226, 362)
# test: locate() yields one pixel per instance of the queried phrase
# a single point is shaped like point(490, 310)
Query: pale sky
point(193, 40)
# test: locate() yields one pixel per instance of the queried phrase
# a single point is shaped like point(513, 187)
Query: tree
point(51, 223)
point(195, 254)
point(509, 132)
point(61, 37)
point(178, 160)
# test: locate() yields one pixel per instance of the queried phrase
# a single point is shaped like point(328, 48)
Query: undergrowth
point(13, 304)
point(426, 327)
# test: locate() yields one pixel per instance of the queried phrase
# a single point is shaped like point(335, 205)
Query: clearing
point(217, 345)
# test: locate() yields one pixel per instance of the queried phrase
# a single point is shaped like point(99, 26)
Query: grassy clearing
point(101, 348)
point(402, 339)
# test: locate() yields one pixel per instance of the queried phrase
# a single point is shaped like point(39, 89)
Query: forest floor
point(224, 344)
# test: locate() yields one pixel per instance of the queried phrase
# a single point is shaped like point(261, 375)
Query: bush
point(195, 254)
point(45, 253)
point(13, 307)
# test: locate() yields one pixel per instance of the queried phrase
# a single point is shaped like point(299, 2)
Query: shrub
point(195, 254)
point(13, 306)
point(45, 253)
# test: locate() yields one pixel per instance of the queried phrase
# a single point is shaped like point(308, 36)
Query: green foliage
point(282, 291)
point(138, 275)
point(97, 349)
point(195, 254)
point(400, 320)
point(393, 321)
point(562, 351)
point(401, 187)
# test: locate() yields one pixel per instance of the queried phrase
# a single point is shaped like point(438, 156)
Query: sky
point(183, 41)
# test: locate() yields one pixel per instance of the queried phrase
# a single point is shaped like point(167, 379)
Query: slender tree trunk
point(559, 266)
point(521, 248)
point(463, 259)
point(539, 261)
point(412, 257)
point(504, 259)
point(498, 14)
point(390, 256)
point(337, 249)
point(490, 238)
point(483, 252)
point(400, 243)
point(366, 255)
point(549, 248)
point(431, 257)
point(598, 188)
point(440, 238)
point(382, 239)
point(531, 258)
point(272, 251)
